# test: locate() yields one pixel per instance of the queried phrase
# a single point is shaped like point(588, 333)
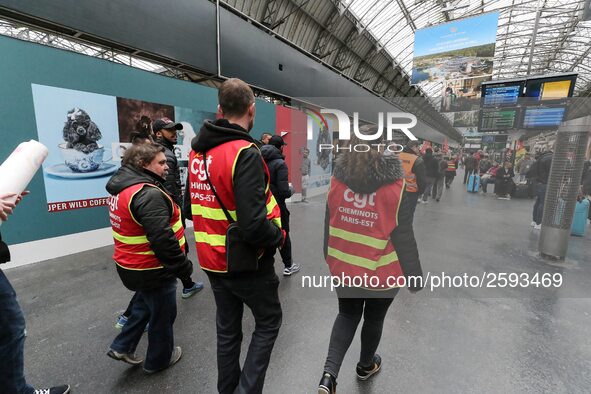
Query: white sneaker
point(538, 227)
point(291, 270)
point(533, 224)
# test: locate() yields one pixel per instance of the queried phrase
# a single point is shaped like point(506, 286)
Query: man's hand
point(6, 205)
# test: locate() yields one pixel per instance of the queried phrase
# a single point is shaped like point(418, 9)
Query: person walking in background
point(279, 174)
point(450, 171)
point(12, 323)
point(229, 187)
point(305, 169)
point(440, 179)
point(370, 182)
point(414, 170)
point(149, 255)
point(167, 135)
point(431, 173)
point(540, 171)
point(265, 137)
point(469, 167)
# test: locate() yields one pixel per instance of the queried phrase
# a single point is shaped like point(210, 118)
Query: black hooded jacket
point(172, 182)
point(153, 210)
point(387, 171)
point(278, 172)
point(249, 189)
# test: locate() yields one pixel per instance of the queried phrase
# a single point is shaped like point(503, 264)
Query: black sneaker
point(327, 385)
point(366, 373)
point(65, 389)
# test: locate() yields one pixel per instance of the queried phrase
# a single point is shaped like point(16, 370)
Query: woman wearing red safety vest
point(370, 246)
point(149, 255)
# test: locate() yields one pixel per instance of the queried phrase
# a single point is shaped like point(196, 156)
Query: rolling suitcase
point(580, 218)
point(473, 183)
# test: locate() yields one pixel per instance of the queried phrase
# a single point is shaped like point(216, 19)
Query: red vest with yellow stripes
point(209, 220)
point(408, 160)
point(451, 165)
point(132, 248)
point(359, 234)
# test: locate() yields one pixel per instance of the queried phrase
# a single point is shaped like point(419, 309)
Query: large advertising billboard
point(86, 134)
point(456, 50)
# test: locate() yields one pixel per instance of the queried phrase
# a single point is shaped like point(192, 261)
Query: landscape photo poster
point(459, 49)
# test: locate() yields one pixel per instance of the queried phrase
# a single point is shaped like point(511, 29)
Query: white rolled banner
point(20, 167)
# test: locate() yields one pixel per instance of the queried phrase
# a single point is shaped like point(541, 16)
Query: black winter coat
point(431, 165)
point(172, 182)
point(249, 190)
point(152, 209)
point(388, 170)
point(278, 172)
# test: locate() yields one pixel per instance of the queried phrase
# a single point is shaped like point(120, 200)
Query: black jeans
point(285, 251)
point(158, 307)
point(260, 294)
point(467, 173)
point(12, 341)
point(343, 331)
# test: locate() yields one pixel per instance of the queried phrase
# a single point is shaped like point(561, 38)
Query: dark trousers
point(12, 342)
point(428, 187)
point(414, 197)
point(157, 307)
point(260, 294)
point(538, 211)
point(373, 311)
point(449, 178)
point(285, 251)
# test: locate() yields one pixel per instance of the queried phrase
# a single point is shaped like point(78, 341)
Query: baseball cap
point(276, 141)
point(165, 123)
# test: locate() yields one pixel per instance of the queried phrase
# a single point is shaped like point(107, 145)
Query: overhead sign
point(455, 50)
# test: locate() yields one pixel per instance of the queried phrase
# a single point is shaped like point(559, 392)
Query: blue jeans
point(538, 211)
point(12, 341)
point(158, 307)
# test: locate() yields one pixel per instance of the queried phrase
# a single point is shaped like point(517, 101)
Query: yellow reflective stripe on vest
point(130, 239)
point(210, 239)
point(211, 213)
point(271, 205)
point(177, 226)
point(362, 261)
point(358, 238)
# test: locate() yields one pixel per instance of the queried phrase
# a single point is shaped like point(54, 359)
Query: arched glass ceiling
point(562, 44)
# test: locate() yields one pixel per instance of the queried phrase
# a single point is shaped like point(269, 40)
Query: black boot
point(327, 385)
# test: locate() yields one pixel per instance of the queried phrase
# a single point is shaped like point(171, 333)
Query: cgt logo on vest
point(404, 122)
point(360, 200)
point(198, 167)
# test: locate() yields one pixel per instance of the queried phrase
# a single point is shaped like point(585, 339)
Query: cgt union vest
point(132, 248)
point(408, 160)
point(209, 220)
point(359, 233)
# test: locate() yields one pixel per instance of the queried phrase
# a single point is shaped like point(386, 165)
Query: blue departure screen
point(501, 95)
point(543, 117)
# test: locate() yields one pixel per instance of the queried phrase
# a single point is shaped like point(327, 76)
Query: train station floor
point(452, 340)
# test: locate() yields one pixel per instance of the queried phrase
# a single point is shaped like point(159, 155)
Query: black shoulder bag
point(240, 255)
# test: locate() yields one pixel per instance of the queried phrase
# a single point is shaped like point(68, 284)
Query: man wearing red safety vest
point(226, 157)
point(414, 171)
point(149, 255)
